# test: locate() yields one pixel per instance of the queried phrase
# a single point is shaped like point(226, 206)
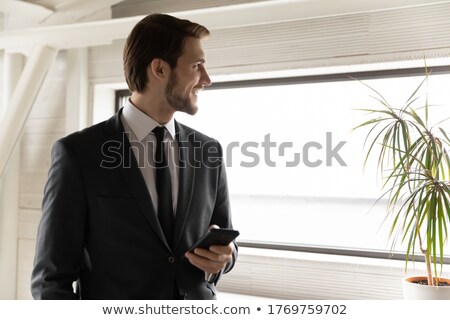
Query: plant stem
point(425, 252)
point(427, 263)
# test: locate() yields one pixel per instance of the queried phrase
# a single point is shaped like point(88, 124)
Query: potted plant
point(414, 162)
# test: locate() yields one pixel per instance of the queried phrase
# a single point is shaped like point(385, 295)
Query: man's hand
point(212, 260)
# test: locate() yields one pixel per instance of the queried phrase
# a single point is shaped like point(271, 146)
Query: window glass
point(294, 165)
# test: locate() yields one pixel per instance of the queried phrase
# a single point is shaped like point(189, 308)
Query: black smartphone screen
point(221, 237)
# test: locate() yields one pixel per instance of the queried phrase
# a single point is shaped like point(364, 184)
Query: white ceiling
point(310, 8)
point(78, 23)
point(29, 13)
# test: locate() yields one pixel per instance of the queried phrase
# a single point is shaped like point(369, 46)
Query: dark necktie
point(163, 186)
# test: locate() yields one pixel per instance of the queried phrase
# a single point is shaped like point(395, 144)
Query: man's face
point(188, 78)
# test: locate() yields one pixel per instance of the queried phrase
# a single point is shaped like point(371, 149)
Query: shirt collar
point(141, 124)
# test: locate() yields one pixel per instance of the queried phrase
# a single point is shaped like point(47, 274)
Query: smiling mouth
point(196, 91)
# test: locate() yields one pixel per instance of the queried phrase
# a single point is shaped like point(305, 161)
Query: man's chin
point(191, 110)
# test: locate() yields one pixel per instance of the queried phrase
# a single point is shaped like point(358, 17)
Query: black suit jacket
point(99, 227)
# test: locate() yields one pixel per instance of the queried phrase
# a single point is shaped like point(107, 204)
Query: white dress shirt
point(138, 127)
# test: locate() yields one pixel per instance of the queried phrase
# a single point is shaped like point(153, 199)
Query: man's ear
point(159, 68)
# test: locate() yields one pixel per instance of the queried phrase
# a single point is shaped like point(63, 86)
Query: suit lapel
point(132, 174)
point(186, 180)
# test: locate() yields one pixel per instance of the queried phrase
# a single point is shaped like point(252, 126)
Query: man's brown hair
point(156, 36)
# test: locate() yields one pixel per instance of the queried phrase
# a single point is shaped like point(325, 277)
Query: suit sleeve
point(222, 210)
point(61, 231)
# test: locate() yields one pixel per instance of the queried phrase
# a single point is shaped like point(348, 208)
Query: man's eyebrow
point(200, 61)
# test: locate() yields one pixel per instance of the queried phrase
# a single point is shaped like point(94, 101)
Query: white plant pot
point(414, 291)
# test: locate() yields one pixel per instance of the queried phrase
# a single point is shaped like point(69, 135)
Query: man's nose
point(205, 79)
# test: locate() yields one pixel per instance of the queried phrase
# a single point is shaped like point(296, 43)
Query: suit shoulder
point(89, 134)
point(85, 141)
point(199, 136)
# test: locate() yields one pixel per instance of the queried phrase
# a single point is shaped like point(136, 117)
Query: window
point(294, 166)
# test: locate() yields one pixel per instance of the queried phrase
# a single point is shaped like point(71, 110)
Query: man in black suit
point(106, 225)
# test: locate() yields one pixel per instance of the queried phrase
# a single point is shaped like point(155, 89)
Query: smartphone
point(221, 237)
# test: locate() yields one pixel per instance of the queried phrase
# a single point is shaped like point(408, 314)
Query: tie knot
point(159, 133)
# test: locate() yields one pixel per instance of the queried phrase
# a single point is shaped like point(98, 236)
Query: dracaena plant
point(414, 163)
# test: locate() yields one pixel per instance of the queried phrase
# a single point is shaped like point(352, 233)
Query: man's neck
point(158, 109)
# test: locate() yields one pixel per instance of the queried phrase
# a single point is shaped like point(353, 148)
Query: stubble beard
point(176, 100)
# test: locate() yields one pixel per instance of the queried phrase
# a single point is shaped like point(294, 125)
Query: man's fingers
point(212, 260)
point(226, 250)
point(216, 253)
point(205, 264)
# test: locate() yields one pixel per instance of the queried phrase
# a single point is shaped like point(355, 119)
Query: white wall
point(1, 80)
point(45, 125)
point(1, 66)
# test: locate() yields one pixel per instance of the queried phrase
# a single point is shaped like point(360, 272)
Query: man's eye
point(197, 66)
